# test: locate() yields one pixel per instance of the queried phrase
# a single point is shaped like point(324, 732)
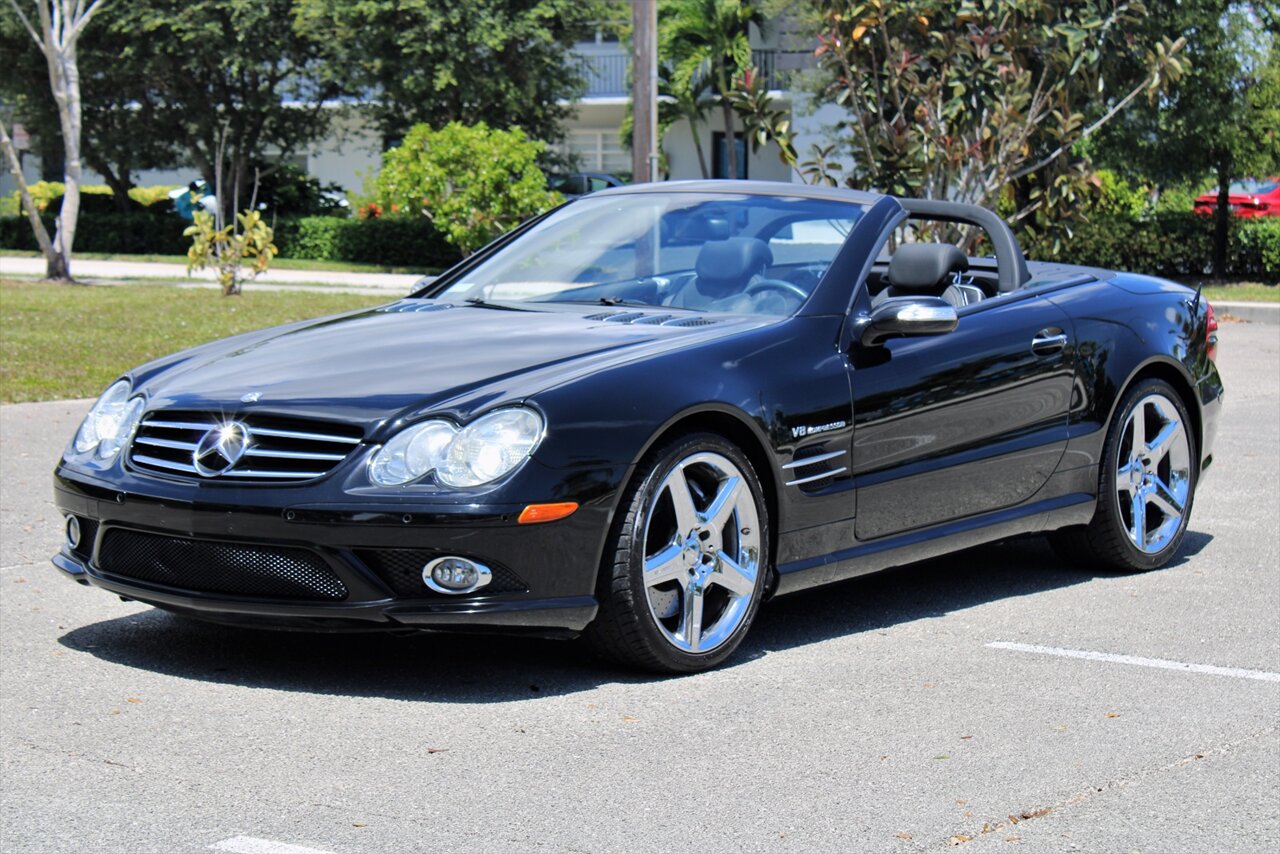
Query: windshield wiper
point(624, 301)
point(481, 302)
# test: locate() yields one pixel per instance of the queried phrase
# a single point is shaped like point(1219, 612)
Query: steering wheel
point(789, 288)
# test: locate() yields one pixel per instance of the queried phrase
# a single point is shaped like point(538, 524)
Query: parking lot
point(996, 700)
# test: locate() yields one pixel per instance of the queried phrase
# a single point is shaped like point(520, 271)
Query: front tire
point(686, 560)
point(1146, 486)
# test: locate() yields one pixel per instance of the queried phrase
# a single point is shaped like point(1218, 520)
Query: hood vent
point(642, 318)
point(414, 306)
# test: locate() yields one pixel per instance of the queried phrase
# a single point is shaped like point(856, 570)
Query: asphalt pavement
point(1114, 713)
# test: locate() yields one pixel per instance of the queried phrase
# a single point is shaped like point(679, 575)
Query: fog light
point(73, 532)
point(455, 575)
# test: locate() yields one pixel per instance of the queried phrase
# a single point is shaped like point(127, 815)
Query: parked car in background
point(1250, 197)
point(582, 183)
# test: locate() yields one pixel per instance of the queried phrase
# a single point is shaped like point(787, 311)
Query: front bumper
point(554, 564)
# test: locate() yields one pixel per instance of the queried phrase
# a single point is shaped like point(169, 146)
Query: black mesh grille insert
point(401, 569)
point(212, 567)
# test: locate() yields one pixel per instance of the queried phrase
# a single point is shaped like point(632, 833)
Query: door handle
point(1048, 341)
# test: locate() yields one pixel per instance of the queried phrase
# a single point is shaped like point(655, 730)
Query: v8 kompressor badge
point(809, 430)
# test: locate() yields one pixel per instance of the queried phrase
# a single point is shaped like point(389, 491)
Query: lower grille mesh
point(213, 567)
point(401, 570)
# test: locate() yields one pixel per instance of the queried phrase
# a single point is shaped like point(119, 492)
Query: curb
point(1253, 312)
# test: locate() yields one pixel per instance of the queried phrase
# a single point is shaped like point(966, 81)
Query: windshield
point(696, 251)
point(1252, 188)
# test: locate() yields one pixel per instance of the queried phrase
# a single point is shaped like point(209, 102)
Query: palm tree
point(708, 38)
point(685, 99)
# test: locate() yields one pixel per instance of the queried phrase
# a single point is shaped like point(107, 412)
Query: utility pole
point(644, 90)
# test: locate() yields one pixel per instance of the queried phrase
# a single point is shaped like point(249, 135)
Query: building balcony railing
point(607, 72)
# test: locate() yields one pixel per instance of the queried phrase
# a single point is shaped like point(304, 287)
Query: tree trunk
point(730, 140)
point(120, 184)
point(1221, 222)
point(37, 225)
point(697, 144)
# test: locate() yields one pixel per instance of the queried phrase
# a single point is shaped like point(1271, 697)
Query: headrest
point(924, 266)
point(725, 266)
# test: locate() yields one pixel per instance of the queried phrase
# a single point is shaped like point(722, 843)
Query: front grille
point(212, 567)
point(401, 570)
point(278, 449)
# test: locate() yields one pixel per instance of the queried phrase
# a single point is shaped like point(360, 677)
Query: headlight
point(110, 423)
point(481, 452)
point(412, 453)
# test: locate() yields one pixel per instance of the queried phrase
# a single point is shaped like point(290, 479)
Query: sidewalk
point(1254, 312)
point(89, 270)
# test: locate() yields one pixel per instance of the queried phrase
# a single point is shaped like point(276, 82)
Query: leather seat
point(927, 269)
point(723, 270)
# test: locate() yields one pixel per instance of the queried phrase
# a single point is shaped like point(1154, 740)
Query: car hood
point(415, 355)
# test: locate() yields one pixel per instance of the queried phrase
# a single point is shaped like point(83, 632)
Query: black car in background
point(581, 183)
point(645, 413)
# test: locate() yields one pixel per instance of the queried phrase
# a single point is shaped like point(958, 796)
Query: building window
point(720, 155)
point(597, 151)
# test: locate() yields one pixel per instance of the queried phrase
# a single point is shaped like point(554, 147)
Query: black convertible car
point(643, 414)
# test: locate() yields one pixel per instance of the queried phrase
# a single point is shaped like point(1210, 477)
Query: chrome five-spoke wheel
point(1145, 488)
point(686, 570)
point(1154, 476)
point(701, 552)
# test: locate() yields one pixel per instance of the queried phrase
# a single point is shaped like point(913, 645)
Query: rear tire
point(685, 563)
point(1146, 486)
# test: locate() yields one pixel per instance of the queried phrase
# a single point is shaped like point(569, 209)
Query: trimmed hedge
point(141, 232)
point(394, 242)
point(1175, 245)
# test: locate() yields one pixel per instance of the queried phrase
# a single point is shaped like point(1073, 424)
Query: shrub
point(140, 232)
point(156, 194)
point(94, 198)
point(394, 241)
point(473, 182)
point(1258, 252)
point(1171, 244)
point(288, 191)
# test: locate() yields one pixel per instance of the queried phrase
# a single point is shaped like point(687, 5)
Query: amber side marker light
point(535, 513)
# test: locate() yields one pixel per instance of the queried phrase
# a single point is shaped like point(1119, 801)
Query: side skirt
point(1049, 514)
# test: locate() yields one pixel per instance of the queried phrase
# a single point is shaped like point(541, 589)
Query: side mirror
point(907, 317)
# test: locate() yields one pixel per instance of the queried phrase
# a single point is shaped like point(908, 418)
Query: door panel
point(963, 423)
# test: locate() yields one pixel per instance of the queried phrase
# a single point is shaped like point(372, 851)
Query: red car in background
point(1247, 198)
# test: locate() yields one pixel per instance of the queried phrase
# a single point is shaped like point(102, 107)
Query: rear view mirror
point(907, 317)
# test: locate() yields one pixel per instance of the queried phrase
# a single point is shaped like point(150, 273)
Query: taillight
point(1210, 331)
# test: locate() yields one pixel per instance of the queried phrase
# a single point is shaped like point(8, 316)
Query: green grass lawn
point(1243, 292)
point(277, 263)
point(62, 341)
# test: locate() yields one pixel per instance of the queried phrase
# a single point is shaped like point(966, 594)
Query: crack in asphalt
point(1012, 819)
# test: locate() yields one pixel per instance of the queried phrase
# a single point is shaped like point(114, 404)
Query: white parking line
point(1162, 663)
point(252, 845)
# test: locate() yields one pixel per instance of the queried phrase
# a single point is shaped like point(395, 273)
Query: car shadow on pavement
point(490, 668)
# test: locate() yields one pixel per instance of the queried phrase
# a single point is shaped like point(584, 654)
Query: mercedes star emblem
point(220, 449)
